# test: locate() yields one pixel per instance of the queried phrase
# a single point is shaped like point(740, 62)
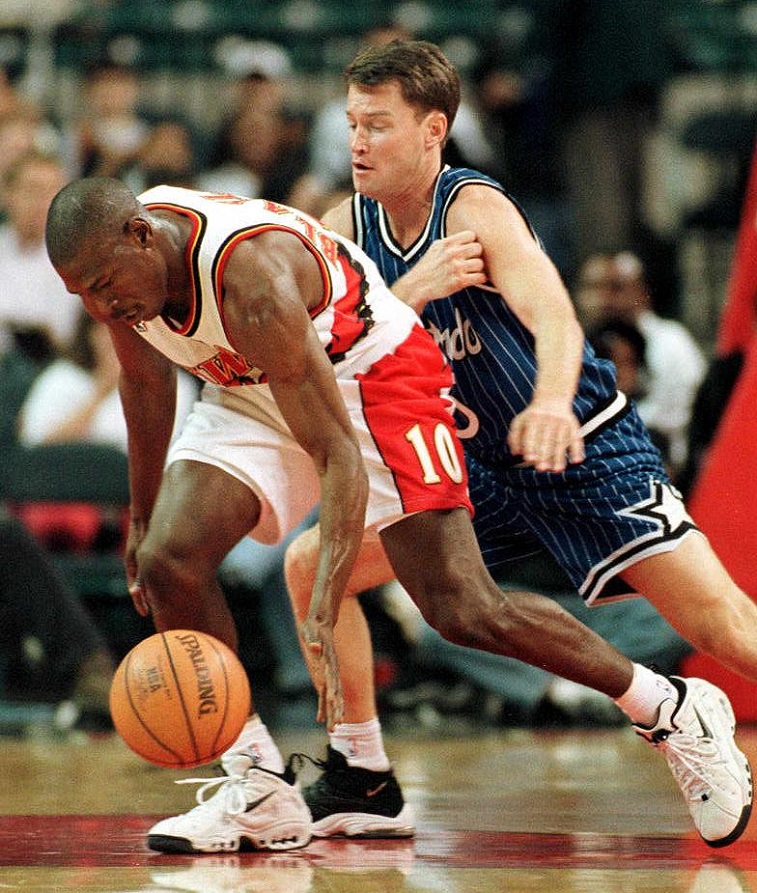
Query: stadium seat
point(74, 499)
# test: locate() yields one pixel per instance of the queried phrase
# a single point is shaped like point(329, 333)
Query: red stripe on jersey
point(352, 314)
point(412, 425)
point(224, 253)
point(198, 225)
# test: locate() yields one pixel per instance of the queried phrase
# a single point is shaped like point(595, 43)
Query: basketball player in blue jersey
point(558, 458)
point(320, 386)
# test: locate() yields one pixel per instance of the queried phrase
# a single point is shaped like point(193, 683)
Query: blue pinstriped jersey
point(491, 352)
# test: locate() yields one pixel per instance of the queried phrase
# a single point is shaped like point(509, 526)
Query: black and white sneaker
point(696, 736)
point(250, 809)
point(351, 802)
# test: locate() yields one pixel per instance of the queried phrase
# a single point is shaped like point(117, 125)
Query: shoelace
point(686, 757)
point(230, 788)
point(297, 760)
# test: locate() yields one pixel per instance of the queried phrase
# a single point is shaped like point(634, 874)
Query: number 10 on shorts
point(443, 447)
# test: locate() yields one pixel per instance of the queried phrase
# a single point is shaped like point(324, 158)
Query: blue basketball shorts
point(596, 519)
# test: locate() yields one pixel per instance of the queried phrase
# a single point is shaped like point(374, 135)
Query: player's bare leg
point(693, 591)
point(200, 514)
point(437, 560)
point(352, 638)
point(447, 579)
point(357, 795)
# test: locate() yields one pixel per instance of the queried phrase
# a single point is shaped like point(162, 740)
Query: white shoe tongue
point(236, 763)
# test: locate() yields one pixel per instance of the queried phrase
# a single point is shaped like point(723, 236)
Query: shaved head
point(87, 209)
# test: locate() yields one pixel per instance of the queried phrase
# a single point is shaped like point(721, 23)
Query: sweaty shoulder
point(273, 266)
point(472, 197)
point(339, 218)
point(475, 203)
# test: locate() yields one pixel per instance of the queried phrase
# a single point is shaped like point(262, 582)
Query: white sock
point(255, 741)
point(361, 743)
point(641, 703)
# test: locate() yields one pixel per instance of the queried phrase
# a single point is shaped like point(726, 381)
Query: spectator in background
point(76, 397)
point(167, 156)
point(623, 343)
point(52, 649)
point(614, 286)
point(18, 136)
point(519, 124)
point(610, 62)
point(10, 100)
point(111, 131)
point(261, 149)
point(512, 90)
point(22, 125)
point(31, 294)
point(75, 400)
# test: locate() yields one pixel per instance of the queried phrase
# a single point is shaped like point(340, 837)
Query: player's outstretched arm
point(546, 433)
point(147, 387)
point(271, 282)
point(450, 264)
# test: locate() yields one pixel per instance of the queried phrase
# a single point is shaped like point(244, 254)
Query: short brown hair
point(426, 78)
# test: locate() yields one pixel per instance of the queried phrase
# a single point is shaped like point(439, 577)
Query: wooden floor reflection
point(517, 811)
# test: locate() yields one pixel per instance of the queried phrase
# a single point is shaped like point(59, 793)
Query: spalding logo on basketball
point(180, 698)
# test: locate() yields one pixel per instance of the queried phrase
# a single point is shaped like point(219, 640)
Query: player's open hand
point(324, 669)
point(449, 265)
point(546, 434)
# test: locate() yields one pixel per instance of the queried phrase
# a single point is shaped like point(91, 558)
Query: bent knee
point(155, 563)
point(168, 571)
point(300, 562)
point(467, 615)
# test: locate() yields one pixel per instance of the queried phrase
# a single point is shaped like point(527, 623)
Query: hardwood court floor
point(517, 811)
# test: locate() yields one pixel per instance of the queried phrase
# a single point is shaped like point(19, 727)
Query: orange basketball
point(180, 698)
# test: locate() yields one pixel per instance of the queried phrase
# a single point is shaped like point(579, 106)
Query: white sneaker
point(695, 734)
point(251, 809)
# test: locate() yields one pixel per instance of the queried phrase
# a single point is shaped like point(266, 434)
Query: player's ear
point(140, 229)
point(436, 128)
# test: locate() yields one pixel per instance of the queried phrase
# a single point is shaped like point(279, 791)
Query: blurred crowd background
point(619, 125)
point(626, 129)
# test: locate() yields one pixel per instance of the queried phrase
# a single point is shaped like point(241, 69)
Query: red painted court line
point(118, 840)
